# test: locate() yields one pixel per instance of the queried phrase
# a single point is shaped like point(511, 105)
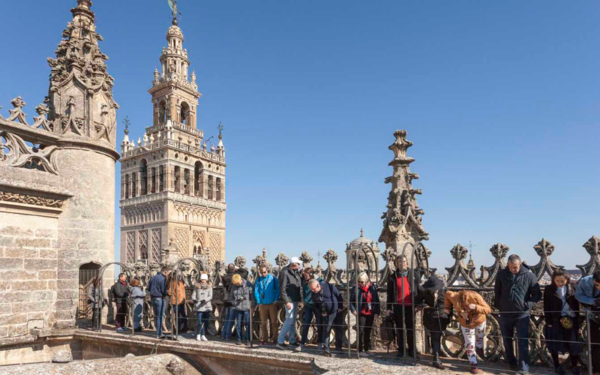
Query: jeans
point(307, 317)
point(508, 322)
point(289, 326)
point(242, 319)
point(328, 324)
point(230, 315)
point(203, 318)
point(138, 314)
point(158, 305)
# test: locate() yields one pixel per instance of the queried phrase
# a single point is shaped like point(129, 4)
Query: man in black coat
point(328, 302)
point(400, 303)
point(119, 293)
point(516, 291)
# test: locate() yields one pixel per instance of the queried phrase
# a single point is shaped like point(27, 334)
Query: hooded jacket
point(241, 296)
point(475, 317)
point(290, 284)
point(433, 294)
point(516, 293)
point(267, 287)
point(202, 297)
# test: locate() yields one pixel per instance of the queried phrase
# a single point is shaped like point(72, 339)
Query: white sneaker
point(198, 338)
point(204, 338)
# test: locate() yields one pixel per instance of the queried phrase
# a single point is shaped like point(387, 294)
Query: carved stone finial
point(282, 260)
point(544, 248)
point(499, 251)
point(592, 246)
point(306, 259)
point(18, 102)
point(459, 252)
point(239, 261)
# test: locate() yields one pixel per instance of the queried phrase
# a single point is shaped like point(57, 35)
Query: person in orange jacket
point(472, 311)
point(176, 293)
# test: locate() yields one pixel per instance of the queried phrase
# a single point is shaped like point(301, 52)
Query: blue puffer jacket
point(267, 286)
point(586, 293)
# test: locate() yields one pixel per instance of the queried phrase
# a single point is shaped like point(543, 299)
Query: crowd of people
point(516, 292)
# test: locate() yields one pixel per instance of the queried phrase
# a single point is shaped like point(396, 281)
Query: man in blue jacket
point(328, 302)
point(157, 287)
point(516, 291)
point(588, 295)
point(266, 293)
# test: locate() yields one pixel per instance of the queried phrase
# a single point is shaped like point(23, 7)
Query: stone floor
point(379, 362)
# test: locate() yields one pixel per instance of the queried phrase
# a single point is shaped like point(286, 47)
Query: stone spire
point(402, 221)
point(80, 97)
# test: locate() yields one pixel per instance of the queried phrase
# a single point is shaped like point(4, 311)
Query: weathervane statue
point(175, 12)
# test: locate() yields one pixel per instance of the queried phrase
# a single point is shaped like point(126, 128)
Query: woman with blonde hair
point(368, 309)
point(472, 311)
point(241, 297)
point(202, 297)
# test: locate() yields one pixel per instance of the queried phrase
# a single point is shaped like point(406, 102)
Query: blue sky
point(501, 100)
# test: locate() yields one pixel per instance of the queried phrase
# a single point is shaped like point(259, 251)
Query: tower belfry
point(173, 188)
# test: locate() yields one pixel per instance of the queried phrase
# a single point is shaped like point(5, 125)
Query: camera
point(239, 299)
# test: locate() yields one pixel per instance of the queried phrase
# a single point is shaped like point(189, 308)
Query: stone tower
point(173, 186)
point(57, 183)
point(402, 227)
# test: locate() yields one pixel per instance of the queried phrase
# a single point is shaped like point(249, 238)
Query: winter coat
point(392, 286)
point(267, 287)
point(362, 301)
point(327, 301)
point(94, 298)
point(202, 298)
point(241, 296)
point(119, 292)
point(290, 284)
point(227, 287)
point(586, 293)
point(306, 293)
point(138, 295)
point(177, 293)
point(158, 286)
point(433, 294)
point(553, 304)
point(516, 293)
point(475, 317)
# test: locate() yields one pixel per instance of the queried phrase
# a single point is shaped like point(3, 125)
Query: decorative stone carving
point(402, 223)
point(18, 154)
point(499, 252)
point(240, 261)
point(282, 260)
point(17, 113)
point(30, 199)
point(592, 246)
point(41, 121)
point(544, 250)
point(459, 253)
point(306, 259)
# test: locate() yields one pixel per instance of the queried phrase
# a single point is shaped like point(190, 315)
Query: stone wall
point(28, 272)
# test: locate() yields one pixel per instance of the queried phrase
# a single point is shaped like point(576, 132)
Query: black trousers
point(365, 323)
point(407, 317)
point(595, 338)
point(436, 342)
point(121, 313)
point(96, 315)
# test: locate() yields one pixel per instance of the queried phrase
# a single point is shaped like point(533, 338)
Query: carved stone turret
point(402, 227)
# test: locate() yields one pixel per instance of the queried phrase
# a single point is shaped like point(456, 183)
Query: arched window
point(126, 186)
point(134, 185)
point(185, 112)
point(186, 181)
point(218, 189)
point(198, 179)
point(210, 187)
point(144, 177)
point(161, 178)
point(162, 112)
point(177, 179)
point(153, 181)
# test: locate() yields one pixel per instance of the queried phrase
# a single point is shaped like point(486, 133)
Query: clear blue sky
point(501, 99)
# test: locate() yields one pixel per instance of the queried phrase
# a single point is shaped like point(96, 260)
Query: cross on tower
point(126, 122)
point(220, 127)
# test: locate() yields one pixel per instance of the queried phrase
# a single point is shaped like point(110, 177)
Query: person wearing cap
point(290, 284)
point(202, 297)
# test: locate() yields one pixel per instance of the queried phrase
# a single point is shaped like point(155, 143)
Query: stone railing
point(460, 276)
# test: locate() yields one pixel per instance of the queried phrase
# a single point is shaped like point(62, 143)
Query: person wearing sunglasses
point(266, 293)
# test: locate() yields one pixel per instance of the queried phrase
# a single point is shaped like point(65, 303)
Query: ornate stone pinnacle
point(362, 232)
point(126, 122)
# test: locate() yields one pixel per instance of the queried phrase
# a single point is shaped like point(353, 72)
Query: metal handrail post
point(357, 306)
point(589, 341)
